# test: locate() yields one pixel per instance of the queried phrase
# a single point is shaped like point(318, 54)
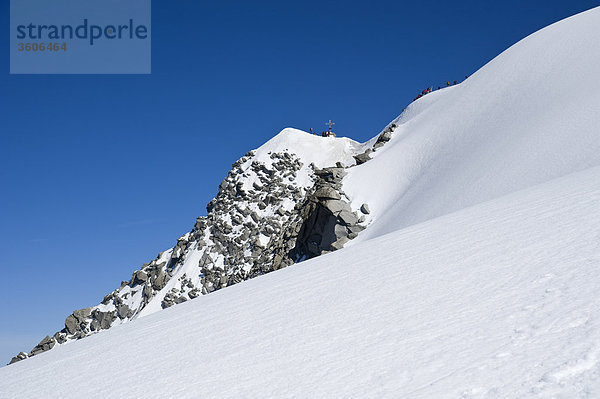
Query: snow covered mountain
point(473, 243)
point(279, 204)
point(494, 301)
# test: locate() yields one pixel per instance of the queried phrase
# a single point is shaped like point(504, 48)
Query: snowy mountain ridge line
point(528, 116)
point(276, 207)
point(495, 300)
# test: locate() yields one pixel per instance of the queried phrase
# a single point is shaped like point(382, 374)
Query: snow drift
point(528, 116)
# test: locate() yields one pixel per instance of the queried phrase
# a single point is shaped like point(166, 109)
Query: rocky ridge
point(263, 219)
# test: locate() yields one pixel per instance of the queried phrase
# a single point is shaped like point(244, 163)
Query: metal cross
point(330, 123)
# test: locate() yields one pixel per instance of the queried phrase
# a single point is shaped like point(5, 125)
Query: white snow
point(322, 151)
point(528, 116)
point(310, 148)
point(497, 300)
point(476, 278)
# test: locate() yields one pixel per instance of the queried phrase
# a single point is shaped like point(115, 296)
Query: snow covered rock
point(276, 207)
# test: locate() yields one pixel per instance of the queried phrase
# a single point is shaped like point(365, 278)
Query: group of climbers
point(430, 89)
point(327, 133)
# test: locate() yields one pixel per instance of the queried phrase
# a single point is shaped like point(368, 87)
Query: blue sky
point(100, 173)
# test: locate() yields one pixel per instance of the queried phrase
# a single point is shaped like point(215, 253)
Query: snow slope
point(528, 116)
point(498, 300)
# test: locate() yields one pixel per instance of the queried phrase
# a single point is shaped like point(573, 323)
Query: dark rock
point(19, 357)
point(123, 311)
point(103, 319)
point(107, 299)
point(385, 136)
point(139, 277)
point(45, 344)
point(336, 206)
point(60, 337)
point(94, 325)
point(327, 192)
point(160, 280)
point(339, 244)
point(82, 314)
point(356, 228)
point(340, 231)
point(365, 209)
point(362, 158)
point(71, 324)
point(348, 218)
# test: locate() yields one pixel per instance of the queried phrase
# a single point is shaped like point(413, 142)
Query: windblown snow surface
point(478, 275)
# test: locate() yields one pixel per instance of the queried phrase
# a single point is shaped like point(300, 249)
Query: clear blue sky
point(100, 173)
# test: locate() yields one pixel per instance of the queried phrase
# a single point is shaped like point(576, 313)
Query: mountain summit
point(279, 205)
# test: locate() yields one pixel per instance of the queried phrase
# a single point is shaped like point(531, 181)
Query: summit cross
point(330, 124)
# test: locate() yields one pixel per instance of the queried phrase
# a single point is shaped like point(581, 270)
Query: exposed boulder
point(60, 336)
point(45, 344)
point(365, 209)
point(71, 324)
point(327, 192)
point(82, 314)
point(362, 158)
point(19, 357)
point(139, 277)
point(102, 320)
point(339, 244)
point(348, 218)
point(336, 206)
point(160, 280)
point(123, 311)
point(385, 136)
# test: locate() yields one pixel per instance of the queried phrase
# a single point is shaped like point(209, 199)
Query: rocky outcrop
point(46, 344)
point(261, 220)
point(327, 220)
point(19, 357)
point(385, 136)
